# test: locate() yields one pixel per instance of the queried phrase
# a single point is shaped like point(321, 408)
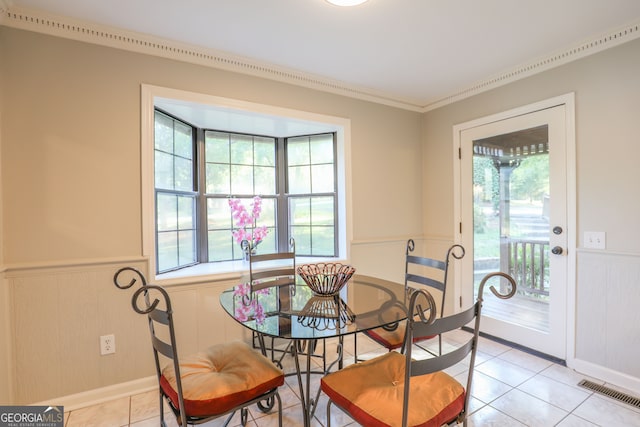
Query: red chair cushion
point(392, 339)
point(372, 393)
point(220, 378)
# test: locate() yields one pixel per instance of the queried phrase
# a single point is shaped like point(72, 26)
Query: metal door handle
point(557, 250)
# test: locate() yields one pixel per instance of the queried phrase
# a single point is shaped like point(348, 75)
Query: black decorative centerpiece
point(326, 313)
point(326, 279)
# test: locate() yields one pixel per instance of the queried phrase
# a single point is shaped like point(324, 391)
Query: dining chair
point(271, 270)
point(407, 389)
point(420, 272)
point(209, 384)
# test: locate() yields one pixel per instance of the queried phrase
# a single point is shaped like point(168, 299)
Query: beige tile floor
point(511, 388)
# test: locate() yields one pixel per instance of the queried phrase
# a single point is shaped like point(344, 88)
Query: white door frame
point(569, 101)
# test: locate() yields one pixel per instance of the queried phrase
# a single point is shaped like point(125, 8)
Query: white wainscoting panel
point(58, 314)
point(608, 311)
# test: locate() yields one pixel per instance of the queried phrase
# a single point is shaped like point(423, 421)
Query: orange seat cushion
point(221, 378)
point(372, 393)
point(392, 339)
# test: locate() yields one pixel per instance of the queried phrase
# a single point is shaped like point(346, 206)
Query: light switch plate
point(595, 239)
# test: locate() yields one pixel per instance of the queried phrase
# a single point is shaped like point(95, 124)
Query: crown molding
point(588, 47)
point(41, 22)
point(4, 9)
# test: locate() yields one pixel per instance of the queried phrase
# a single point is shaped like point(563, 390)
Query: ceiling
point(414, 52)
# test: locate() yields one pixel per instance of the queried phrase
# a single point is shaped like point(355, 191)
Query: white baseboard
point(104, 394)
point(610, 376)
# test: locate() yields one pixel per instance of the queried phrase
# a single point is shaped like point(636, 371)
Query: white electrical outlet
point(595, 239)
point(107, 344)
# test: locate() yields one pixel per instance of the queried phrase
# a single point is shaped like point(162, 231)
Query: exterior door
point(513, 218)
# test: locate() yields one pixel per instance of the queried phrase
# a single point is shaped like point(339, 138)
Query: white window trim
point(282, 121)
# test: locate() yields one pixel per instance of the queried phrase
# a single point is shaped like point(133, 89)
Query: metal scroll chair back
point(267, 271)
point(160, 316)
point(429, 272)
point(424, 272)
point(429, 395)
point(275, 269)
point(163, 339)
point(421, 325)
point(420, 273)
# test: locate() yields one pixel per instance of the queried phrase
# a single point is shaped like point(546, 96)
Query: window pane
point(303, 240)
point(163, 170)
point(298, 151)
point(323, 241)
point(163, 133)
point(187, 248)
point(268, 215)
point(299, 180)
point(322, 179)
point(242, 149)
point(312, 225)
point(299, 211)
point(183, 140)
point(222, 247)
point(175, 248)
point(217, 147)
point(186, 213)
point(167, 250)
point(322, 149)
point(245, 164)
point(264, 151)
point(218, 215)
point(183, 174)
point(174, 148)
point(241, 179)
point(322, 210)
point(268, 245)
point(265, 178)
point(218, 179)
point(166, 208)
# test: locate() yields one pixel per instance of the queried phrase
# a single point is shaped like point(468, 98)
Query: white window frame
point(246, 117)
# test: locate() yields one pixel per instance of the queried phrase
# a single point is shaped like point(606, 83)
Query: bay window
point(197, 170)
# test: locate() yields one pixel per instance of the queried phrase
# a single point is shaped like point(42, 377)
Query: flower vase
point(245, 254)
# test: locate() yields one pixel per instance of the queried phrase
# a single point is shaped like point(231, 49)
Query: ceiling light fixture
point(346, 2)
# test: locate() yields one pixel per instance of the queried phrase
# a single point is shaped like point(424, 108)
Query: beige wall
point(5, 317)
point(72, 143)
point(607, 87)
point(72, 203)
point(607, 94)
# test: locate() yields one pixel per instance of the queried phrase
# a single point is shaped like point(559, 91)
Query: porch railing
point(529, 265)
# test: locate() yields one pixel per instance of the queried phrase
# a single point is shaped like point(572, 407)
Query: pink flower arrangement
point(245, 221)
point(249, 307)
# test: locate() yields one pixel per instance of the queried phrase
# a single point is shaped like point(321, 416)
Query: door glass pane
point(511, 222)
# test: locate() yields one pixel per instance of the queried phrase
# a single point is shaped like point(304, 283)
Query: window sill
point(220, 271)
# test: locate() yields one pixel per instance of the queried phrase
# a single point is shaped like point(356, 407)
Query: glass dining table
point(295, 314)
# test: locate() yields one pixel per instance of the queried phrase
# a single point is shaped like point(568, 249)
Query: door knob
point(557, 250)
point(557, 230)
